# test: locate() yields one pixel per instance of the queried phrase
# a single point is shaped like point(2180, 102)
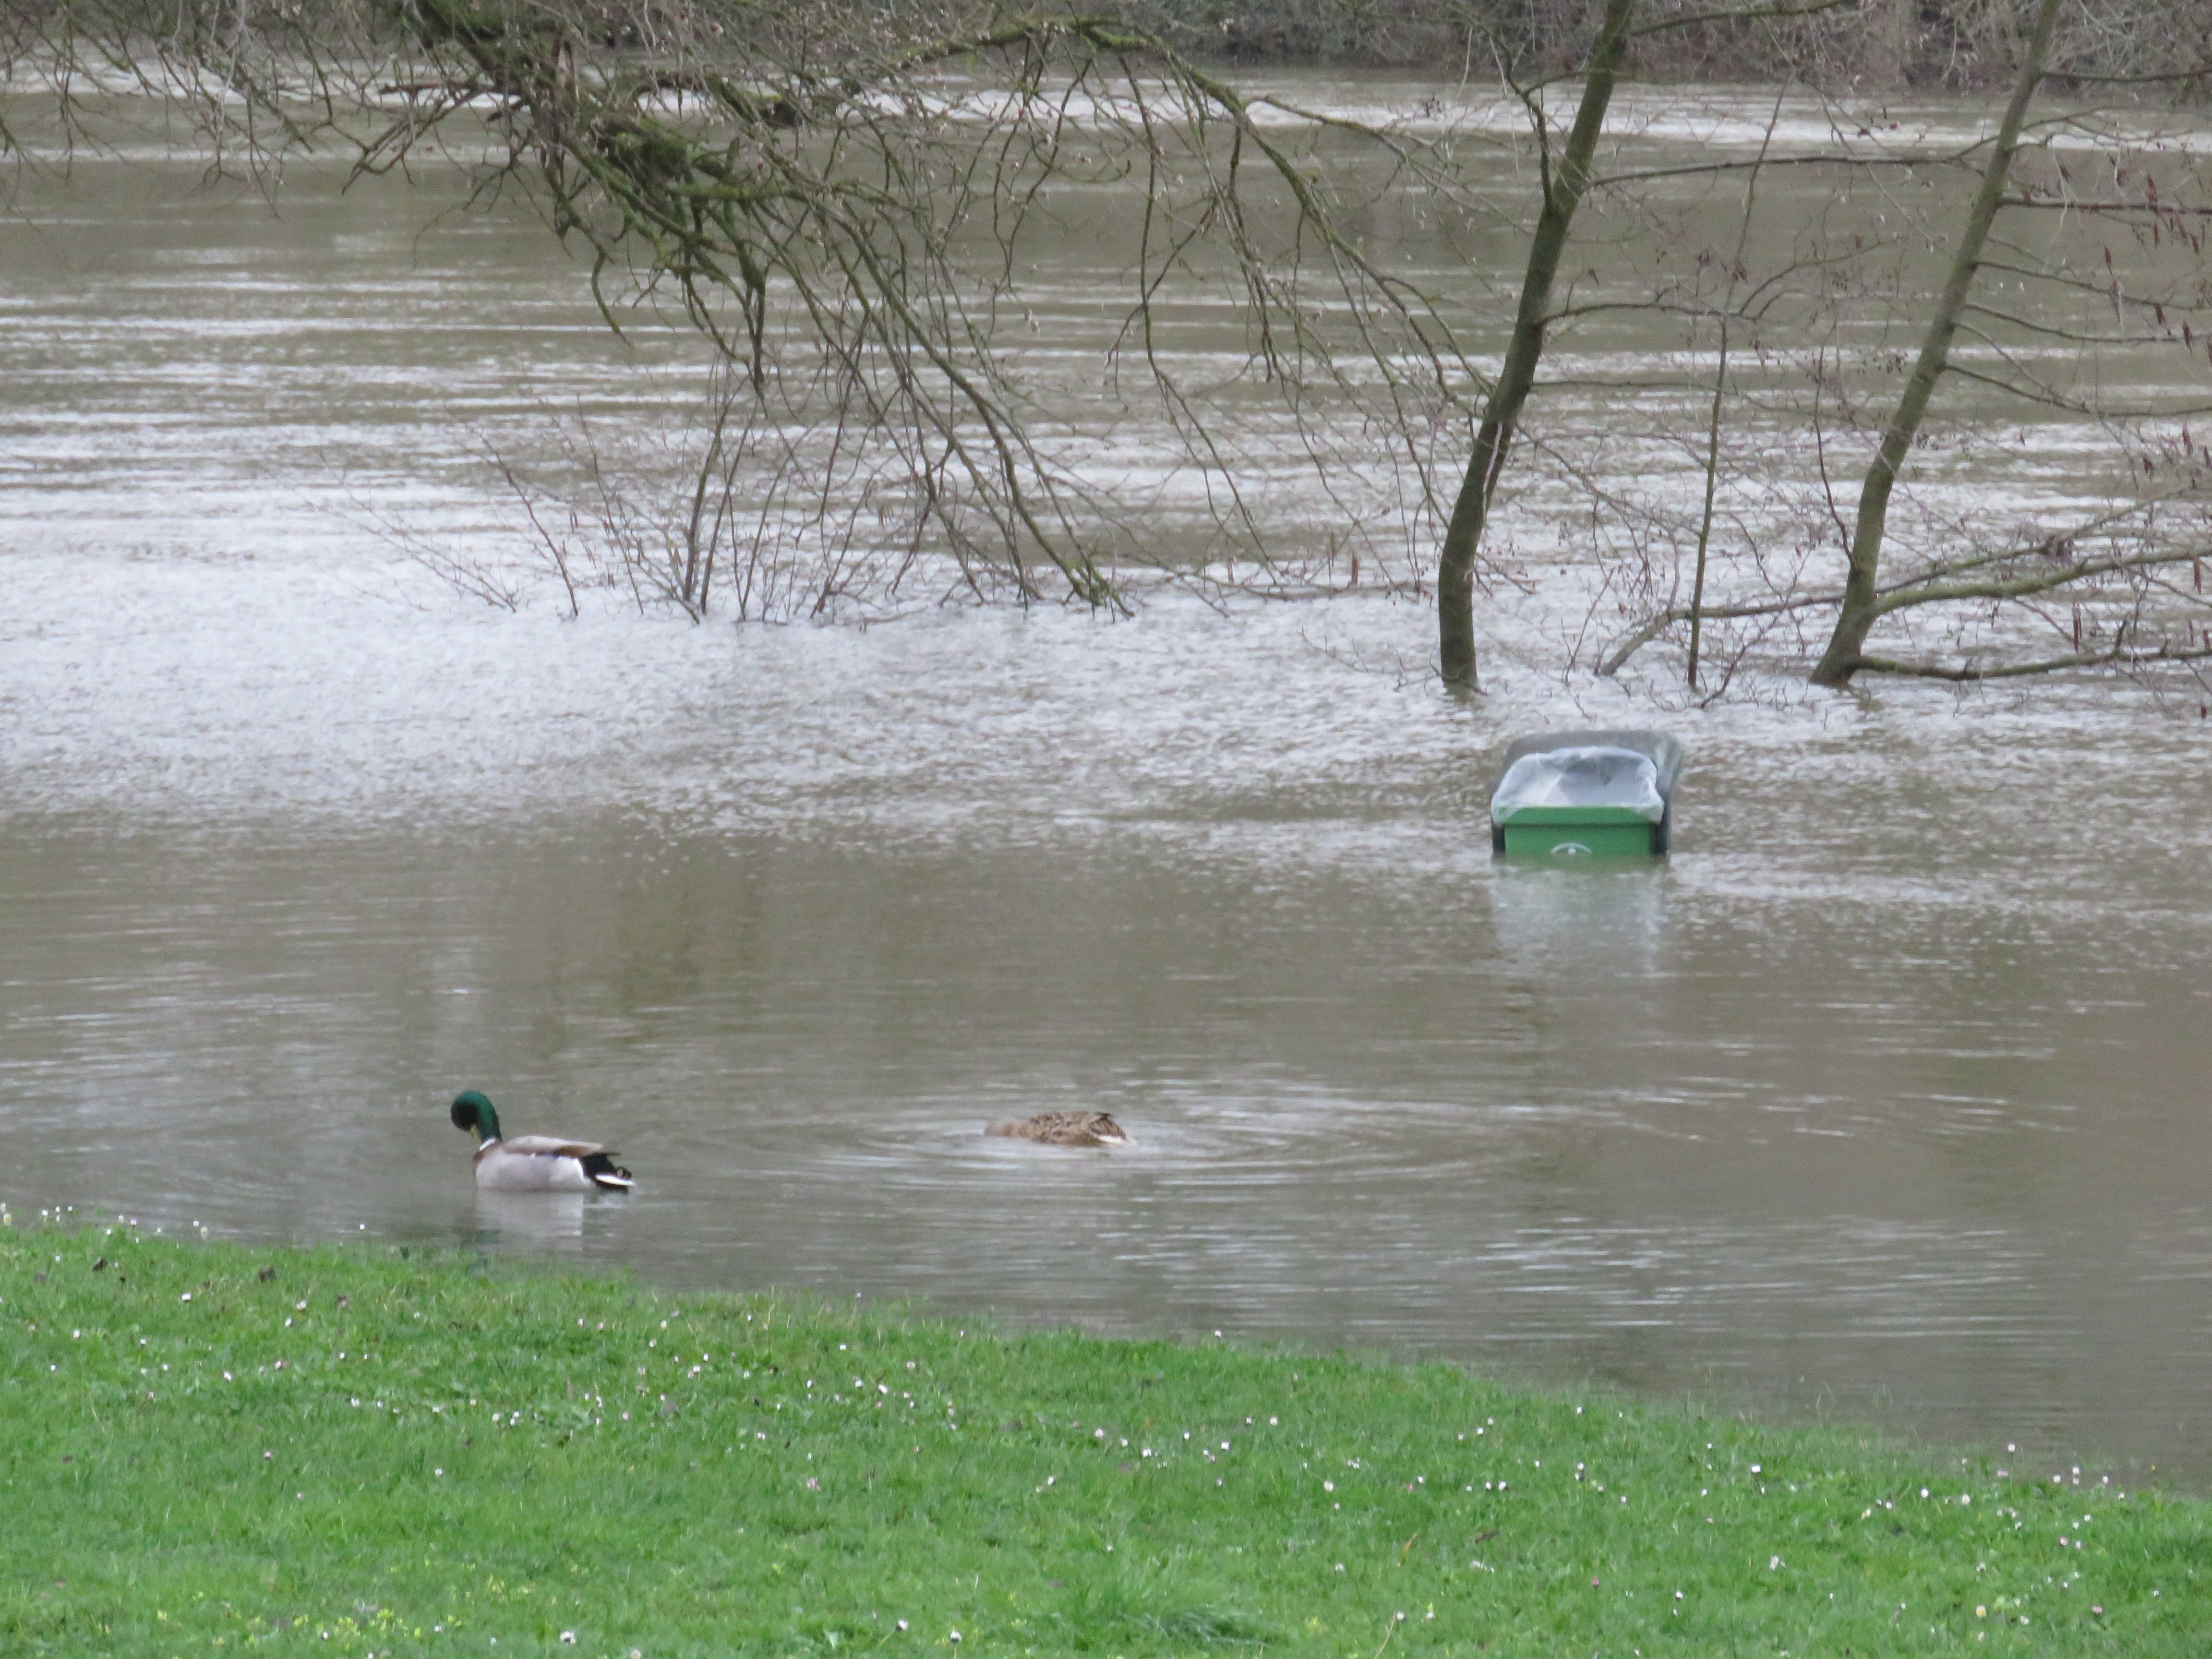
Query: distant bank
point(1870, 48)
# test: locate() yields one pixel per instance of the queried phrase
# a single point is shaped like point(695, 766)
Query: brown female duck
point(1063, 1129)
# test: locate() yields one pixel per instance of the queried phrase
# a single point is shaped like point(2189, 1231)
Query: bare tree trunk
point(1720, 388)
point(1847, 647)
point(1564, 186)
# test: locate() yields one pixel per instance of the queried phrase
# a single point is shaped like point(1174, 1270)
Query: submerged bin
point(1576, 794)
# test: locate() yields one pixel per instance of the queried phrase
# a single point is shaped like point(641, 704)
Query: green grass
point(211, 1450)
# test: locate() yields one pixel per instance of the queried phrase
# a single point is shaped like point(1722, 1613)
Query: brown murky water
point(1887, 1097)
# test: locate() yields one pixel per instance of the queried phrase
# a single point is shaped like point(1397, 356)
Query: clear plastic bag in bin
point(1592, 776)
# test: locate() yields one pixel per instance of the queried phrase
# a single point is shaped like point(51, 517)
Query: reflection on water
point(1557, 919)
point(551, 1224)
point(1884, 1096)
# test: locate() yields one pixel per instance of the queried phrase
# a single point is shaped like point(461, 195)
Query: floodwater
point(1886, 1097)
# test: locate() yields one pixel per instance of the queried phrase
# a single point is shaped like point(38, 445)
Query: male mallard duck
point(535, 1164)
point(1065, 1129)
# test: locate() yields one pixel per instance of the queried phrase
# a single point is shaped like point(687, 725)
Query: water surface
point(1885, 1097)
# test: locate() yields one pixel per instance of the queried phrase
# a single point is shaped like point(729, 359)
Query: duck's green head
point(473, 1111)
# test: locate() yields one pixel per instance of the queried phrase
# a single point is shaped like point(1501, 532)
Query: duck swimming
point(535, 1164)
point(1063, 1129)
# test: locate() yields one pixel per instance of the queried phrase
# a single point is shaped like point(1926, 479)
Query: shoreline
point(364, 1447)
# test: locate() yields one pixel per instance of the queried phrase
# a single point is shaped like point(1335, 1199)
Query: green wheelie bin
point(1587, 794)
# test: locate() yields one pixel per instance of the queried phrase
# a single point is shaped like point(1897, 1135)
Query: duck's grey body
point(1063, 1129)
point(535, 1164)
point(547, 1163)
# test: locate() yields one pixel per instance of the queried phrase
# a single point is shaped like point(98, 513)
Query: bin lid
point(1632, 770)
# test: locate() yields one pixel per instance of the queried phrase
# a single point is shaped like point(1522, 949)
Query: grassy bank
point(212, 1449)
